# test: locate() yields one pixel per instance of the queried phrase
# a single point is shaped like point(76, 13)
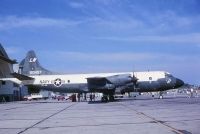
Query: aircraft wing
point(98, 82)
point(21, 76)
point(102, 84)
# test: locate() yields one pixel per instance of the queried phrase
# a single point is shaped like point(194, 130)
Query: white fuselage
point(82, 78)
point(146, 82)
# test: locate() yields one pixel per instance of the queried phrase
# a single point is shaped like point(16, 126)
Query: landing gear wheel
point(104, 98)
point(111, 98)
point(161, 97)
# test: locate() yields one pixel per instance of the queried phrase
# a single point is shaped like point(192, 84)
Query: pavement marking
point(154, 119)
point(46, 118)
point(97, 125)
point(28, 105)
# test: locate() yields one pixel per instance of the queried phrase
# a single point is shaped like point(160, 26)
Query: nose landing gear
point(161, 95)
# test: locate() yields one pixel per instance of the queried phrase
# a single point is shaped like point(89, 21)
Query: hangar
point(9, 91)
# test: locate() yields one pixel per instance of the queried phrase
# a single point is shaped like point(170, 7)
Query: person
point(78, 96)
point(73, 98)
point(91, 97)
point(3, 99)
point(191, 93)
point(85, 97)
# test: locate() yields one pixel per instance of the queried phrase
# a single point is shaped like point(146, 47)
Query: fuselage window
point(150, 78)
point(168, 75)
point(68, 81)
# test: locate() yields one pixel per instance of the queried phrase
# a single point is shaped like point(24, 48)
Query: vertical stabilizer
point(31, 66)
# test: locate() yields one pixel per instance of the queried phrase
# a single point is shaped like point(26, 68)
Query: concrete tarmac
point(127, 116)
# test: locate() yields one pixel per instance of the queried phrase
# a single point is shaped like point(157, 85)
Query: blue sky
point(77, 36)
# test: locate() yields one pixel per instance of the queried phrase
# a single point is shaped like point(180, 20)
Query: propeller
point(134, 80)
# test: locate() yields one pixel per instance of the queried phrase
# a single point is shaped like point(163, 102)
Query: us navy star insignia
point(58, 82)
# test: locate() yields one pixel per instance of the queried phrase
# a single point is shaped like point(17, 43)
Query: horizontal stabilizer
point(21, 76)
point(7, 60)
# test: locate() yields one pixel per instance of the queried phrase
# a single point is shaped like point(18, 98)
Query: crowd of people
point(78, 97)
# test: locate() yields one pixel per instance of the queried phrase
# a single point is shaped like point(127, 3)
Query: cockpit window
point(168, 74)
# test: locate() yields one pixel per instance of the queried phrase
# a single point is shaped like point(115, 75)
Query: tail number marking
point(31, 60)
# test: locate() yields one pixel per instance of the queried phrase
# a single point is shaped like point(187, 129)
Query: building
point(9, 91)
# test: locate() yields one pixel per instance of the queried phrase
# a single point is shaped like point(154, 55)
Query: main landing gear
point(107, 98)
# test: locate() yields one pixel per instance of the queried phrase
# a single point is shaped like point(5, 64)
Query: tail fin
point(31, 66)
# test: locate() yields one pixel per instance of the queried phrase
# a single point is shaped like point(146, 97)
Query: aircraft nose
point(179, 83)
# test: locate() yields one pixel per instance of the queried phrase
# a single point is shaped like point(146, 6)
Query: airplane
point(31, 73)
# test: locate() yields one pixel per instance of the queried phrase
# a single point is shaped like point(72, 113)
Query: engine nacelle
point(119, 80)
point(130, 87)
point(111, 83)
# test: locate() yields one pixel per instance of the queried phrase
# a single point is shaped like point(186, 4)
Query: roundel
point(58, 82)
